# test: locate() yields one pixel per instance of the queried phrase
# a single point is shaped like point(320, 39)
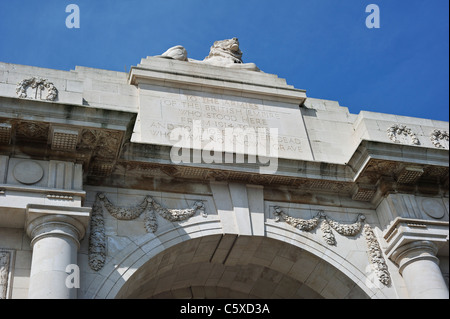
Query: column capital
point(407, 230)
point(44, 220)
point(414, 251)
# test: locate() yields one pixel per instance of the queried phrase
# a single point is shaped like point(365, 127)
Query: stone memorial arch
point(212, 179)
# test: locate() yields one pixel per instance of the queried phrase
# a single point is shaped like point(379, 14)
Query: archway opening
point(232, 266)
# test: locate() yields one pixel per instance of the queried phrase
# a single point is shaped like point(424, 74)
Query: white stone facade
point(357, 208)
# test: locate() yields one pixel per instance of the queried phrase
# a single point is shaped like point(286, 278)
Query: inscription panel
point(217, 115)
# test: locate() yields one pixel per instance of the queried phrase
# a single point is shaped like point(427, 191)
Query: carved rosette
point(397, 130)
point(437, 136)
point(40, 85)
point(374, 252)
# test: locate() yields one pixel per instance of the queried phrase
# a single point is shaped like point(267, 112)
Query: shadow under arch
point(233, 266)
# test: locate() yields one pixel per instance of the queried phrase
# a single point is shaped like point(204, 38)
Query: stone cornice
point(370, 150)
point(66, 114)
point(101, 143)
point(163, 72)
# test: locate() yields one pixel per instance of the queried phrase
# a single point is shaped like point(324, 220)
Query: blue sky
point(322, 46)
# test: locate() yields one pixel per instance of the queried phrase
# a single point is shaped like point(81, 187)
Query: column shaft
point(419, 267)
point(55, 242)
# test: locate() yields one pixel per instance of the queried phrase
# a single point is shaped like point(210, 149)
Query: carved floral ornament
point(397, 130)
point(5, 257)
point(149, 207)
point(327, 225)
point(437, 136)
point(40, 85)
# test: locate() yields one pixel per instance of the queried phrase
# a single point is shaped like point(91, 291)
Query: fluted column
point(419, 267)
point(55, 238)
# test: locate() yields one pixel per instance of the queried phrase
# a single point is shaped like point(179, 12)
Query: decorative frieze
point(149, 207)
point(39, 85)
point(327, 225)
point(397, 130)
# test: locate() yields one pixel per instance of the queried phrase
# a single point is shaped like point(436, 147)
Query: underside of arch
point(232, 266)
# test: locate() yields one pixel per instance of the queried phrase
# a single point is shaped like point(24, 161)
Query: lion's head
point(225, 52)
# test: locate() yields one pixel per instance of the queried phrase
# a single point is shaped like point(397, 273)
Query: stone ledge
point(406, 230)
point(80, 214)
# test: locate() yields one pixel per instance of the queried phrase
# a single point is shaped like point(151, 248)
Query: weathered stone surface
point(213, 228)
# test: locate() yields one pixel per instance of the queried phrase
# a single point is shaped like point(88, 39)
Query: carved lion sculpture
point(224, 53)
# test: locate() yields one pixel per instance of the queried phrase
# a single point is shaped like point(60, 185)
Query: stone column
point(55, 234)
point(419, 267)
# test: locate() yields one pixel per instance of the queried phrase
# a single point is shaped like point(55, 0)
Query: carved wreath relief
point(39, 85)
point(398, 131)
point(149, 207)
point(439, 137)
point(327, 225)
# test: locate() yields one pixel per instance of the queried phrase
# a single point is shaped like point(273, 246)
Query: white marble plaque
point(161, 112)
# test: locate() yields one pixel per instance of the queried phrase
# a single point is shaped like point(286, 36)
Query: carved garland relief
point(149, 207)
point(374, 252)
point(5, 265)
